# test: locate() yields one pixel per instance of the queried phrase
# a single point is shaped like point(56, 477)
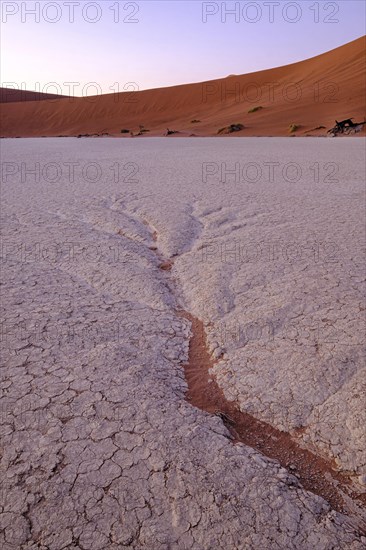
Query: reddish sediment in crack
point(166, 266)
point(316, 474)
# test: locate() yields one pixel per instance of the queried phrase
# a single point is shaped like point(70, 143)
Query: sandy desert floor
point(182, 329)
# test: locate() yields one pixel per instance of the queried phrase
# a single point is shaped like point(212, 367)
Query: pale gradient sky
point(170, 44)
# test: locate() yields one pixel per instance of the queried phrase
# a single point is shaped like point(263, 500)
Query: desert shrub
point(230, 129)
point(125, 131)
point(235, 127)
point(194, 121)
point(142, 130)
point(293, 128)
point(255, 109)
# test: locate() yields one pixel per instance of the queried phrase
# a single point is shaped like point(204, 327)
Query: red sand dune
point(309, 93)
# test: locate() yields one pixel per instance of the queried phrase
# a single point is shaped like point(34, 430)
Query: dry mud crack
point(315, 473)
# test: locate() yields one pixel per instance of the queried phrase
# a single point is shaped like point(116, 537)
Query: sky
point(87, 48)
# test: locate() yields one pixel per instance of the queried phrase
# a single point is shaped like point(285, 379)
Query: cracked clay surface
point(100, 447)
